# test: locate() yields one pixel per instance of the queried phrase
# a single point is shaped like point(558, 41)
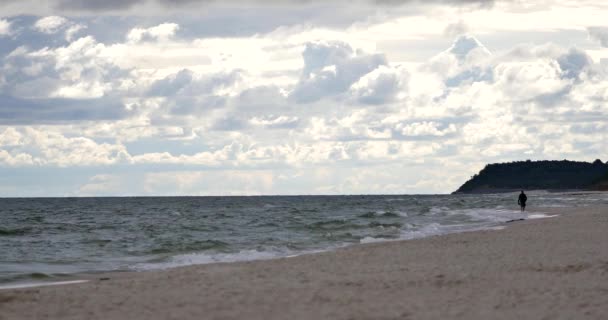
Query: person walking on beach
point(521, 201)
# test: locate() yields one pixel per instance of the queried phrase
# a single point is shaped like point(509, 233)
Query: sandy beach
point(553, 268)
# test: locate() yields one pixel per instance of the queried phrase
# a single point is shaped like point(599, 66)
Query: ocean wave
point(109, 234)
point(489, 215)
point(375, 224)
point(15, 231)
point(370, 239)
point(376, 214)
point(438, 210)
point(198, 258)
point(335, 224)
point(431, 229)
point(26, 277)
point(200, 245)
point(341, 236)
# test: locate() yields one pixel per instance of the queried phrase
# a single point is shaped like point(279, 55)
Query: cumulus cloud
point(50, 24)
point(456, 29)
point(72, 82)
point(261, 99)
point(161, 32)
point(599, 34)
point(54, 24)
point(468, 48)
point(465, 61)
point(331, 68)
point(11, 137)
point(381, 86)
point(282, 107)
point(426, 128)
point(73, 30)
point(5, 28)
point(273, 122)
point(30, 146)
point(187, 83)
point(171, 84)
point(574, 62)
point(527, 80)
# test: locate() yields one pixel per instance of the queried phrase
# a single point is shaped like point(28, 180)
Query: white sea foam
point(433, 229)
point(207, 258)
point(401, 213)
point(541, 216)
point(485, 219)
point(438, 210)
point(397, 199)
point(372, 240)
point(494, 215)
point(39, 284)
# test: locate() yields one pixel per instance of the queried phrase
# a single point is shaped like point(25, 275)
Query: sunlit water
point(43, 239)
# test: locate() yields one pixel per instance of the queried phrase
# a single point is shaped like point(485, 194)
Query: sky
point(187, 97)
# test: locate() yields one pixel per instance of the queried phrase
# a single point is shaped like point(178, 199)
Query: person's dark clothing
point(522, 200)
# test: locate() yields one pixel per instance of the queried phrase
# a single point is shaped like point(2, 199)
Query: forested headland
point(538, 175)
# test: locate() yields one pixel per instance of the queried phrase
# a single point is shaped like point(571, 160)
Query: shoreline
point(540, 267)
point(534, 213)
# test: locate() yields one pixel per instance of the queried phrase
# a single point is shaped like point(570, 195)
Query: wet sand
point(553, 268)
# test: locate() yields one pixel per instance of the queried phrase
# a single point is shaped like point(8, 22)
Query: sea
point(49, 239)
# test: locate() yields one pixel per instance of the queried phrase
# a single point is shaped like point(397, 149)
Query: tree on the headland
point(531, 175)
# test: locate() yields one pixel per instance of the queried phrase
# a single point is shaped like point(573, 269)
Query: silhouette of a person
point(521, 201)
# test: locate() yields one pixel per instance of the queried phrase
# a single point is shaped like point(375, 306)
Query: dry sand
point(555, 268)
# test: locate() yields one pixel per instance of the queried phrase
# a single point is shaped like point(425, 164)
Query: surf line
point(40, 284)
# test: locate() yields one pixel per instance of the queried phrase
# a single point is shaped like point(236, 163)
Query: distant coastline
point(551, 176)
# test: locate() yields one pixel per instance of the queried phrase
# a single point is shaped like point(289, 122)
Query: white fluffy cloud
point(274, 121)
point(331, 68)
point(301, 109)
point(426, 129)
point(50, 24)
point(42, 147)
point(160, 32)
point(5, 28)
point(55, 24)
point(600, 34)
point(380, 86)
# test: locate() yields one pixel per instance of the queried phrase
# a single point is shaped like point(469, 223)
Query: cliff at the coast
point(538, 175)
